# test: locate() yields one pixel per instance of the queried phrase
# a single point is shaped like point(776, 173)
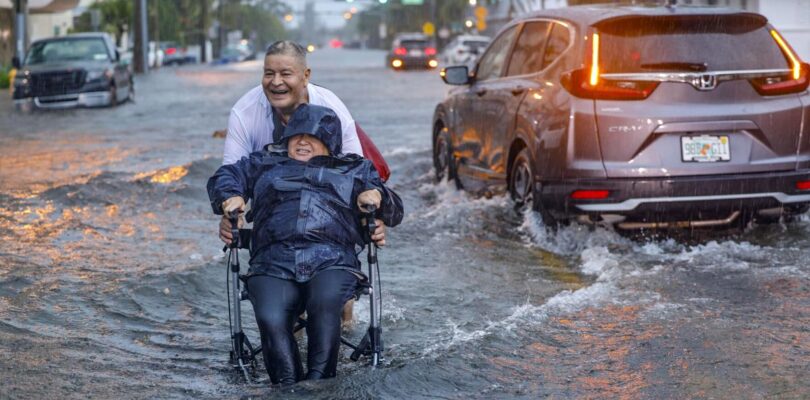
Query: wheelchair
point(243, 355)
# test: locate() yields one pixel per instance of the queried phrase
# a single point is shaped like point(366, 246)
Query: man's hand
point(369, 197)
point(225, 229)
point(378, 237)
point(233, 206)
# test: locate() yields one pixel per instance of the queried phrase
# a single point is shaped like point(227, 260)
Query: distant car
point(412, 50)
point(173, 54)
point(75, 70)
point(636, 117)
point(235, 53)
point(464, 50)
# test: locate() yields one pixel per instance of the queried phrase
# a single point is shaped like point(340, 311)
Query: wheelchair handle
point(235, 237)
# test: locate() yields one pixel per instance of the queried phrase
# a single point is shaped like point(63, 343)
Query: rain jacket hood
point(317, 121)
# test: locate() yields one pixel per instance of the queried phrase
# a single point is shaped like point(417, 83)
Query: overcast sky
point(330, 12)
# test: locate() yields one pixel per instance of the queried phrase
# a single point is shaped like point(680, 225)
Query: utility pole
point(20, 27)
point(203, 30)
point(141, 56)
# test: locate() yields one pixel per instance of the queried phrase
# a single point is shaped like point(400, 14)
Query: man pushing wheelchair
point(306, 204)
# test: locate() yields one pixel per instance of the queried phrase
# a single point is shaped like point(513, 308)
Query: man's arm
point(238, 143)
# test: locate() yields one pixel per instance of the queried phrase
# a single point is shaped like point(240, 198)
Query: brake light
point(430, 51)
point(803, 185)
point(794, 61)
point(594, 78)
point(590, 194)
point(588, 83)
point(794, 81)
point(400, 51)
point(171, 51)
point(578, 84)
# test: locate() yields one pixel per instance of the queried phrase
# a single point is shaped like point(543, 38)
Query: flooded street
point(112, 279)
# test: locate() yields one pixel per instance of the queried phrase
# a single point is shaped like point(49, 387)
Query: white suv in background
point(464, 49)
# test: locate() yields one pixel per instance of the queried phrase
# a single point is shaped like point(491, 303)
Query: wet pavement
point(112, 282)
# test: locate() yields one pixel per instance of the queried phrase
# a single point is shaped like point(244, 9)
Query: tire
point(521, 181)
point(522, 188)
point(113, 96)
point(443, 161)
point(131, 95)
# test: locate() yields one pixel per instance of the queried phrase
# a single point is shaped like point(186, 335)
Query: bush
point(4, 78)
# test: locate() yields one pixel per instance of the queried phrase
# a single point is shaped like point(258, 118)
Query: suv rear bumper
point(682, 198)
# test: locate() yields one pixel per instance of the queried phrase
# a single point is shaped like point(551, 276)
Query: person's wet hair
point(288, 48)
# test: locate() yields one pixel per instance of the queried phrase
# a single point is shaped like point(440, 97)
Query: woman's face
point(285, 81)
point(303, 147)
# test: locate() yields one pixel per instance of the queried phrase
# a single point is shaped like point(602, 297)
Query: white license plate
point(415, 52)
point(705, 148)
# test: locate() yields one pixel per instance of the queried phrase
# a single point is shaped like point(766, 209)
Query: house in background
point(790, 17)
point(45, 18)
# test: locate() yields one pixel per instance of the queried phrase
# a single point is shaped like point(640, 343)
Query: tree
point(116, 16)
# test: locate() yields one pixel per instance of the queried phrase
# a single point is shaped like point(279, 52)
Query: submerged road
point(112, 282)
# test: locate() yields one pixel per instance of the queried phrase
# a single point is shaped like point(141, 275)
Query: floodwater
point(112, 280)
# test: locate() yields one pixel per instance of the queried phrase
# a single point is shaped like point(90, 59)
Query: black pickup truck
point(75, 70)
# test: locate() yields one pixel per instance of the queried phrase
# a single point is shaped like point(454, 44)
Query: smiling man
point(259, 117)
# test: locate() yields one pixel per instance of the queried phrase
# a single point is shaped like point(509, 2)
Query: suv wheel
point(443, 162)
point(521, 181)
point(522, 188)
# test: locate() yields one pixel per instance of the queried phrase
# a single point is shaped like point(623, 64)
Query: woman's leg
point(276, 303)
point(325, 295)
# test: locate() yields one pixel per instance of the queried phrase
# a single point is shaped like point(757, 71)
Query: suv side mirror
point(456, 75)
point(15, 62)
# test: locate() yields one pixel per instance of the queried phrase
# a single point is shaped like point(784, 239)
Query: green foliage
point(179, 20)
point(4, 78)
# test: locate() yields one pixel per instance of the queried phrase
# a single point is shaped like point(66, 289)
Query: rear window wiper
point(677, 65)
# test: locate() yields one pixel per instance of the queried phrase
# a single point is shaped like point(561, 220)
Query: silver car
point(639, 117)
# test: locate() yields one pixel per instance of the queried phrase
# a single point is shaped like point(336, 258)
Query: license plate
point(705, 148)
point(415, 52)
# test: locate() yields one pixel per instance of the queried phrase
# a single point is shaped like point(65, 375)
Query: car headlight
point(95, 74)
point(21, 80)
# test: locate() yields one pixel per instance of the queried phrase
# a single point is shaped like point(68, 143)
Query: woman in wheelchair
point(306, 205)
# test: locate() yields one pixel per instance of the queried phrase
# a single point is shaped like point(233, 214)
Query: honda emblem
point(705, 82)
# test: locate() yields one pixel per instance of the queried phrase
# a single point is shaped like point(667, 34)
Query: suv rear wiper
point(677, 65)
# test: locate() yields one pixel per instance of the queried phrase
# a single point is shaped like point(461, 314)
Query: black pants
point(278, 303)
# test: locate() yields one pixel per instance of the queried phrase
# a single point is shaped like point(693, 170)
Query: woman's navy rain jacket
point(305, 215)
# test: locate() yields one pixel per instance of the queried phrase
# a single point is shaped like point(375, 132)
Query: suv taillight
point(794, 81)
point(588, 83)
point(400, 51)
point(430, 51)
point(578, 83)
point(783, 84)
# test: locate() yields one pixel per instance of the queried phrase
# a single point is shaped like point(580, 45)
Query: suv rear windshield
point(414, 44)
point(691, 43)
point(90, 49)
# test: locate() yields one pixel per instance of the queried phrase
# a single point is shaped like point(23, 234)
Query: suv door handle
point(518, 91)
point(481, 92)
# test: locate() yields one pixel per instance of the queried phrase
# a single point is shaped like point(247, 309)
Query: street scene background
point(112, 278)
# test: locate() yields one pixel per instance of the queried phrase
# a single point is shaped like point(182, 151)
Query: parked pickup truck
point(75, 70)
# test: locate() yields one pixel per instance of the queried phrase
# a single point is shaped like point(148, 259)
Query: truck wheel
point(113, 96)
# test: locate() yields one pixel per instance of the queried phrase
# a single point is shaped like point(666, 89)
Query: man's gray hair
point(288, 48)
